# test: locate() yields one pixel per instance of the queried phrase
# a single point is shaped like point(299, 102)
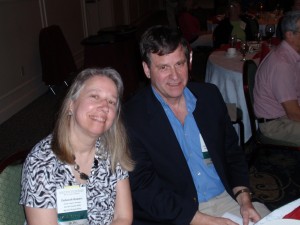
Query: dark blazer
point(162, 186)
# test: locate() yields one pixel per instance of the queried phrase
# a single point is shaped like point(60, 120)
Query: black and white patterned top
point(43, 173)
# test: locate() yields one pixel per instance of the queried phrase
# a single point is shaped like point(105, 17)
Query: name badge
point(205, 152)
point(72, 205)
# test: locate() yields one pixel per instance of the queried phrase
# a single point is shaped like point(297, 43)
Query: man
point(277, 86)
point(188, 163)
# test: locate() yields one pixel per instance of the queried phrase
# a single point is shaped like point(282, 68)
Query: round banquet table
point(226, 73)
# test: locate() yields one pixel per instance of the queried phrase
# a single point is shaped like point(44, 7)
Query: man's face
point(168, 73)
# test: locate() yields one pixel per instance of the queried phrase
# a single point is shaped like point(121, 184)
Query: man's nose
point(174, 73)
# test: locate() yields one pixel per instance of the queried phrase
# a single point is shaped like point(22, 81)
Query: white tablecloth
point(280, 212)
point(226, 74)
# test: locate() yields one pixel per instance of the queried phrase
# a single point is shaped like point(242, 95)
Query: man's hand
point(248, 212)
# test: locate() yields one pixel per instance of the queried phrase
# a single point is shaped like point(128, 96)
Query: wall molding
point(20, 97)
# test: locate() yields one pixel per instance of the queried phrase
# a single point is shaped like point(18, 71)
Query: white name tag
point(72, 205)
point(205, 153)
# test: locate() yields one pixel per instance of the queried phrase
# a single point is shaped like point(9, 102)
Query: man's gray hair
point(289, 22)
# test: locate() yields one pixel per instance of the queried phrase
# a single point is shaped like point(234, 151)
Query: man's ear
point(146, 70)
point(289, 36)
point(191, 60)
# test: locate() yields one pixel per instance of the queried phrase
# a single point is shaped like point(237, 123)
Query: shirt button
point(199, 173)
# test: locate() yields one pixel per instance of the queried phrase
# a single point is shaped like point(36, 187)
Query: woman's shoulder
point(42, 151)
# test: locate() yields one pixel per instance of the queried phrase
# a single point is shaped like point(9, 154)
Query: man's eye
point(164, 69)
point(180, 64)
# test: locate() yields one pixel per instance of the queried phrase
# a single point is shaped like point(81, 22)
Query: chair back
point(249, 71)
point(57, 60)
point(11, 213)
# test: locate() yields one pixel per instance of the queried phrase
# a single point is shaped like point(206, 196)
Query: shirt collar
point(190, 99)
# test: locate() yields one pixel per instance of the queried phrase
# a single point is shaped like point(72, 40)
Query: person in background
point(87, 153)
point(277, 86)
point(190, 26)
point(296, 5)
point(242, 26)
point(171, 9)
point(189, 168)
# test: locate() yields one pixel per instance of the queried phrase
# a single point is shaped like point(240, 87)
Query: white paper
point(235, 218)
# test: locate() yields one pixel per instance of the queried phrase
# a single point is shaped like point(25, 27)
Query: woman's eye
point(111, 102)
point(95, 96)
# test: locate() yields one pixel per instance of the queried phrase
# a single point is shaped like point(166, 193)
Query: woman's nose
point(103, 105)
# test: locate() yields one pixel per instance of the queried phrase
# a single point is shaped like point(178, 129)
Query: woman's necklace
point(82, 175)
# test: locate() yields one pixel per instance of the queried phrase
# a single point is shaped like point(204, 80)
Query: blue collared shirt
point(205, 177)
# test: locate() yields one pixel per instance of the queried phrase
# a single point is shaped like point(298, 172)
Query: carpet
point(274, 177)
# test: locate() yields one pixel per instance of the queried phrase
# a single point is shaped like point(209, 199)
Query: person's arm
point(285, 89)
point(123, 206)
point(292, 109)
point(204, 219)
point(40, 216)
point(248, 211)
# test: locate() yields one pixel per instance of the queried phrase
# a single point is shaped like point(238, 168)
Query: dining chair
point(58, 64)
point(236, 117)
point(11, 213)
point(259, 140)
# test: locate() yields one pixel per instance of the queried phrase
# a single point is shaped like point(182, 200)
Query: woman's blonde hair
point(114, 140)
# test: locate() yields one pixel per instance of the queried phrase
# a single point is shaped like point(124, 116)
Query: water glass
point(232, 41)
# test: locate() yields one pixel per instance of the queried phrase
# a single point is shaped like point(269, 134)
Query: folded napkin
point(275, 41)
point(224, 47)
point(295, 214)
point(257, 55)
point(263, 52)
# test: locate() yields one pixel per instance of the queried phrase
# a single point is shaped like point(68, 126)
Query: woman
point(88, 152)
point(242, 26)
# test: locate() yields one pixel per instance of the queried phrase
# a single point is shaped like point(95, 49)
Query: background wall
point(20, 24)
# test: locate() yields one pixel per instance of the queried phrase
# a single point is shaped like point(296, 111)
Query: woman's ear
point(71, 108)
point(146, 70)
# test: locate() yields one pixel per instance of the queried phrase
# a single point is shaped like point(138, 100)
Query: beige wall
point(20, 23)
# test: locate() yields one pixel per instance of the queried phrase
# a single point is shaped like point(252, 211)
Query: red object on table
point(295, 214)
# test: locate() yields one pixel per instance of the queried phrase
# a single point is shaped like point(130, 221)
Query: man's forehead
point(159, 53)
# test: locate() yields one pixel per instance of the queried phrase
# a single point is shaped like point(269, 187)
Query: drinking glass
point(244, 50)
point(232, 41)
point(270, 30)
point(258, 37)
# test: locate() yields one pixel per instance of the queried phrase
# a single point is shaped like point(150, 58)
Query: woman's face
point(95, 108)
